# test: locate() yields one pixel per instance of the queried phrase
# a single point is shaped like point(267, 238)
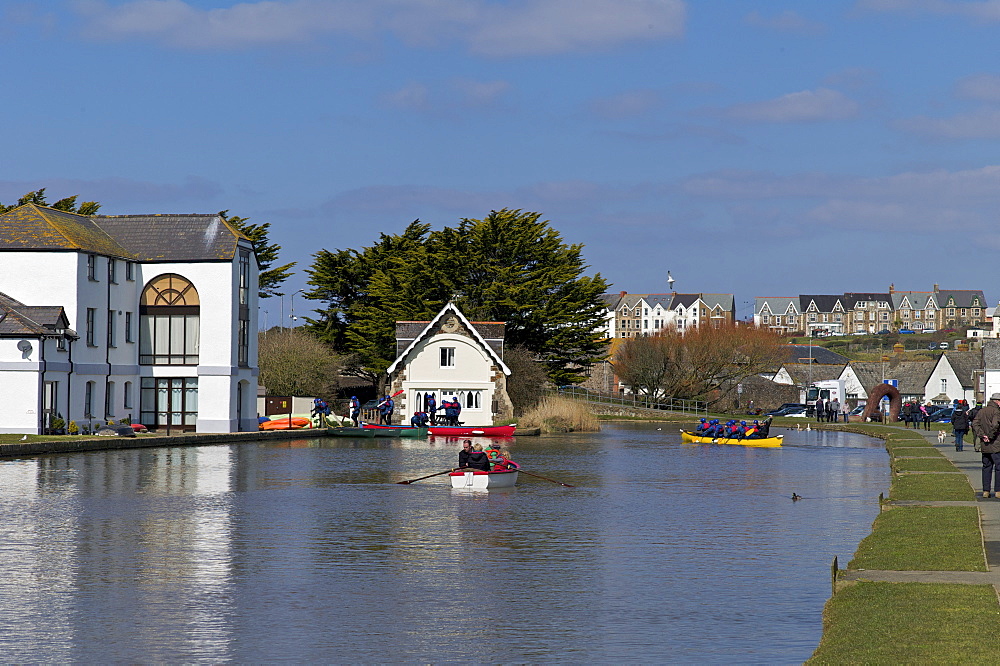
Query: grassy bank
point(917, 538)
point(908, 623)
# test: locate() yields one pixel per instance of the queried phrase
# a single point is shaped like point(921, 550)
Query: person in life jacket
point(765, 428)
point(457, 406)
point(714, 428)
point(751, 431)
point(701, 427)
point(355, 410)
point(386, 408)
point(419, 420)
point(430, 406)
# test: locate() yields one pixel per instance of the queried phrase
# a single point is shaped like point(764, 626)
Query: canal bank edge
point(904, 616)
point(52, 446)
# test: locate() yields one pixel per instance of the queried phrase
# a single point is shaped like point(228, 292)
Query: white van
point(942, 345)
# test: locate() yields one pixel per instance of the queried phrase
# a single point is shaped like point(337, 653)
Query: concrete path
point(970, 463)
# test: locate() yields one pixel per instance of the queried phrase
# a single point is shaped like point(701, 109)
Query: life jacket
point(750, 432)
point(355, 404)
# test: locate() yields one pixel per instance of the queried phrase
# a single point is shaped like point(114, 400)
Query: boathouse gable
point(451, 357)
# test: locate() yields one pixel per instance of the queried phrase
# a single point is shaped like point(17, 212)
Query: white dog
point(941, 436)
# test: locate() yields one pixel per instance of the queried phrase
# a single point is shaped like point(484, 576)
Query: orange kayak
point(282, 424)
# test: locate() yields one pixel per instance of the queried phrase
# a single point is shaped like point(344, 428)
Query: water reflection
point(309, 551)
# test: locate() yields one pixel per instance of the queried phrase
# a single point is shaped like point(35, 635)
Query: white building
point(139, 294)
point(451, 357)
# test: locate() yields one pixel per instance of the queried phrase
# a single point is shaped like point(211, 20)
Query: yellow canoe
point(768, 442)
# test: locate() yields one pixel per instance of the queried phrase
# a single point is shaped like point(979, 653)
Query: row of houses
point(631, 315)
point(871, 312)
point(955, 375)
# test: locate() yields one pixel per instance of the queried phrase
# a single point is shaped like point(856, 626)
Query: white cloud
point(805, 106)
point(627, 104)
point(979, 124)
point(985, 10)
point(446, 98)
point(528, 27)
point(984, 87)
point(414, 96)
point(788, 21)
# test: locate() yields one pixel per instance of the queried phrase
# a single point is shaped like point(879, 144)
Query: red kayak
point(472, 431)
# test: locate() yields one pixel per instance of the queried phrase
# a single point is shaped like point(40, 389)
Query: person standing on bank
point(959, 426)
point(833, 410)
point(820, 409)
point(987, 429)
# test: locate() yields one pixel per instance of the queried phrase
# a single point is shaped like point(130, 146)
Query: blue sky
point(754, 148)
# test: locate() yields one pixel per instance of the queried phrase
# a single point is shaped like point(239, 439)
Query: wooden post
point(833, 577)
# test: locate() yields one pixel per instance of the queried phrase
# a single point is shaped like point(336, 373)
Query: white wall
point(471, 372)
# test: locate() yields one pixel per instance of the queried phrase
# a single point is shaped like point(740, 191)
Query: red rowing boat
point(472, 431)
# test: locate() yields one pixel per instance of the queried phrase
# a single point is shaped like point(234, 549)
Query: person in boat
point(419, 420)
point(463, 455)
point(702, 427)
point(501, 461)
point(765, 428)
point(751, 431)
point(478, 458)
point(356, 411)
point(385, 410)
point(430, 406)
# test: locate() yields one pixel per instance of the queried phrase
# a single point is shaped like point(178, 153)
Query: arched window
point(169, 322)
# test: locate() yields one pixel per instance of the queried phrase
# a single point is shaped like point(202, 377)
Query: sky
point(754, 148)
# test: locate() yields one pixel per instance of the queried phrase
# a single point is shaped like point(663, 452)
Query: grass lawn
point(908, 623)
point(932, 487)
point(917, 452)
point(925, 464)
point(917, 538)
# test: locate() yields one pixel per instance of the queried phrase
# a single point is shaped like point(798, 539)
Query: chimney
point(936, 289)
point(622, 294)
point(892, 288)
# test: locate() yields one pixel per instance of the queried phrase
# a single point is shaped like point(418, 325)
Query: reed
point(555, 414)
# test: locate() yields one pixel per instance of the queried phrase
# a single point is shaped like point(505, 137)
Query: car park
point(943, 415)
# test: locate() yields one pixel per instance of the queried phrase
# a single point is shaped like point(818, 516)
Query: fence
point(694, 407)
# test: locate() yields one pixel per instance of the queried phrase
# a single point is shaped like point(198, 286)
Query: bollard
point(833, 577)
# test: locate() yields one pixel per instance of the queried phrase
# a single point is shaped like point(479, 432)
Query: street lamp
point(291, 306)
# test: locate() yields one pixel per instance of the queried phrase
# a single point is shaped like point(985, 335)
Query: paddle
point(522, 471)
point(447, 471)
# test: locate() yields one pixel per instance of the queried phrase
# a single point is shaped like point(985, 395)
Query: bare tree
point(704, 363)
point(295, 362)
point(526, 384)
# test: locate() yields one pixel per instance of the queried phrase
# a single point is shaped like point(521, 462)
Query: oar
point(447, 471)
point(545, 477)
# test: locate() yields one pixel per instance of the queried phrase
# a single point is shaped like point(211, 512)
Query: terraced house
point(646, 314)
point(148, 318)
point(871, 312)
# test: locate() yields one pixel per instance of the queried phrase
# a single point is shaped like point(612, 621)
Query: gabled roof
point(610, 300)
point(173, 237)
point(963, 363)
point(724, 301)
point(819, 355)
point(853, 298)
point(963, 298)
point(18, 319)
point(34, 227)
point(663, 300)
point(912, 300)
point(911, 375)
point(684, 300)
point(803, 373)
point(776, 304)
point(431, 327)
point(824, 302)
point(147, 238)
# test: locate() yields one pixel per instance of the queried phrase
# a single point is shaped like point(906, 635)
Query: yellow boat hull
point(767, 442)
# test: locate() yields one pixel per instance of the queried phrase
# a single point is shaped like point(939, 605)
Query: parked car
point(906, 331)
point(785, 408)
point(942, 345)
point(857, 410)
point(884, 331)
point(799, 412)
point(943, 415)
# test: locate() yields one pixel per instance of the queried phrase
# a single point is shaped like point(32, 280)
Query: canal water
point(308, 551)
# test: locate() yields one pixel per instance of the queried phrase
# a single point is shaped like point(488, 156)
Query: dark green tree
point(270, 279)
point(511, 267)
point(67, 204)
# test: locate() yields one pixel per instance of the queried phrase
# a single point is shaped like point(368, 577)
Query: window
point(447, 357)
point(244, 277)
point(244, 343)
point(944, 386)
point(169, 325)
point(129, 337)
point(777, 319)
point(111, 328)
point(92, 267)
point(812, 317)
point(112, 271)
point(61, 343)
point(130, 271)
point(169, 401)
point(91, 322)
point(88, 400)
point(127, 397)
point(951, 312)
point(766, 320)
point(109, 400)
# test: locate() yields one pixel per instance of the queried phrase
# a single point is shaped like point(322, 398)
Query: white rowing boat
point(477, 479)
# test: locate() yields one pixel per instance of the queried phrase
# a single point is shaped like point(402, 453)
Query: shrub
point(556, 414)
point(73, 429)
